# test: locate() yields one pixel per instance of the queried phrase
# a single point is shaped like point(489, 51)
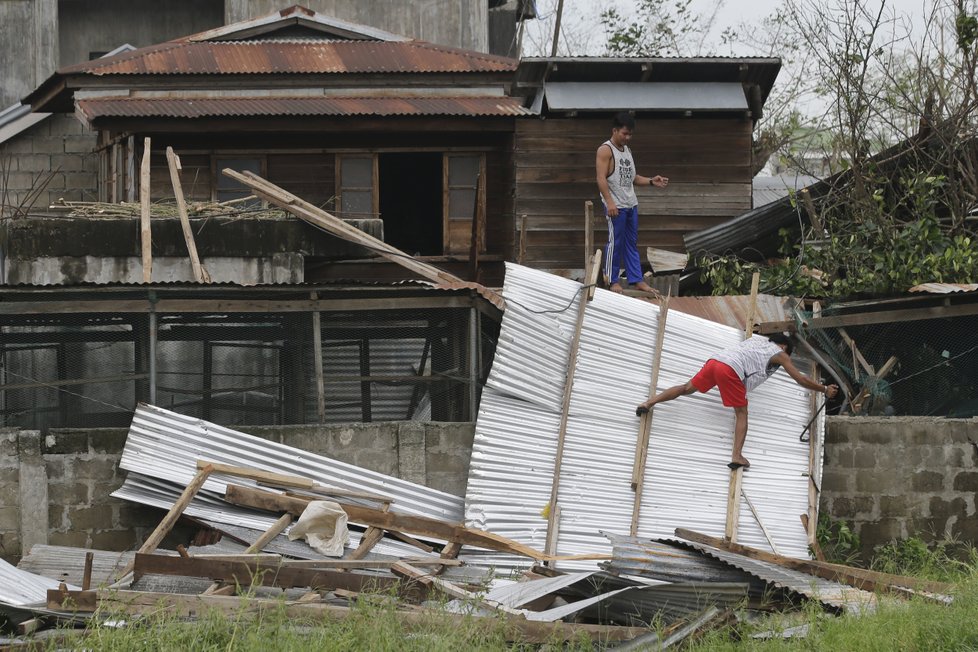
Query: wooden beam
point(145, 602)
point(270, 478)
point(330, 223)
point(521, 244)
point(258, 573)
point(367, 542)
point(760, 523)
point(405, 570)
point(881, 317)
point(478, 226)
point(87, 572)
point(814, 452)
point(145, 234)
point(857, 577)
point(553, 515)
point(856, 353)
point(228, 305)
point(884, 371)
point(411, 524)
point(645, 424)
point(276, 529)
point(156, 537)
point(752, 307)
point(588, 232)
point(173, 162)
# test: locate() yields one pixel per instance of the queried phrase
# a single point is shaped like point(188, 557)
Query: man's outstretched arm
point(784, 360)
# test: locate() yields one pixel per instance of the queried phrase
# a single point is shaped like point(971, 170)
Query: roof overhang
point(638, 96)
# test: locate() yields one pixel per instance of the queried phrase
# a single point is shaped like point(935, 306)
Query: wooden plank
point(145, 602)
point(420, 545)
point(553, 514)
point(87, 572)
point(229, 305)
point(276, 528)
point(145, 235)
point(173, 162)
point(812, 538)
point(257, 573)
point(269, 478)
point(645, 425)
point(884, 371)
point(856, 353)
point(451, 550)
point(320, 218)
point(752, 306)
point(390, 521)
point(734, 489)
point(367, 542)
point(346, 563)
point(402, 569)
point(881, 317)
point(588, 232)
point(521, 249)
point(857, 577)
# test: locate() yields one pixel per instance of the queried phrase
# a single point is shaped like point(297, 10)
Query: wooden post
point(173, 161)
point(806, 201)
point(478, 228)
point(588, 231)
point(276, 529)
point(814, 451)
point(755, 281)
point(554, 512)
point(317, 361)
point(145, 235)
point(645, 425)
point(521, 247)
point(87, 573)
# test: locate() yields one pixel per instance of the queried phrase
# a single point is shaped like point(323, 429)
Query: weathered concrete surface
point(895, 477)
point(55, 488)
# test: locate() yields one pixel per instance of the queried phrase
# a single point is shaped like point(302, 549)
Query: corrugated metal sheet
point(166, 445)
point(19, 587)
point(768, 189)
point(829, 593)
point(191, 108)
point(663, 96)
point(686, 476)
point(66, 564)
point(733, 310)
point(944, 288)
point(665, 562)
point(300, 57)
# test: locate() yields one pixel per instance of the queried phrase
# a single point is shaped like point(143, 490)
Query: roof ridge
point(474, 54)
point(104, 62)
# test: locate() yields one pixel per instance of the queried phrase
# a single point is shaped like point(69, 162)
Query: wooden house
point(365, 123)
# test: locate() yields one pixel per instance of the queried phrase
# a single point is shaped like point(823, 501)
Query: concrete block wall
point(60, 145)
point(895, 477)
point(54, 488)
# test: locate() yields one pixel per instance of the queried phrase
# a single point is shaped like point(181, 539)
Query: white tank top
point(751, 359)
point(622, 178)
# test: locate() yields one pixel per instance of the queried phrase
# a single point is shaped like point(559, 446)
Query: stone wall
point(55, 488)
point(895, 477)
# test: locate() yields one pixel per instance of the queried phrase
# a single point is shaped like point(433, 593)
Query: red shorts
point(717, 374)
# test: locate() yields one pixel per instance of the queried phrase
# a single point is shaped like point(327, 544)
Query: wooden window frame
point(446, 194)
point(375, 181)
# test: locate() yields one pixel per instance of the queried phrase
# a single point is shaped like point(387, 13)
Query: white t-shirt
point(751, 359)
point(622, 179)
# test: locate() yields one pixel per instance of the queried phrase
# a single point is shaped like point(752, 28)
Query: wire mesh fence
point(925, 367)
point(254, 368)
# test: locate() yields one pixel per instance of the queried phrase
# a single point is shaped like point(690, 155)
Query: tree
point(901, 109)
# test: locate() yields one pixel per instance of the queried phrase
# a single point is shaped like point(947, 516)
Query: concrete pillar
point(33, 490)
point(46, 46)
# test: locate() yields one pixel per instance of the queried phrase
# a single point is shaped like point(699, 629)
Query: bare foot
point(616, 288)
point(644, 287)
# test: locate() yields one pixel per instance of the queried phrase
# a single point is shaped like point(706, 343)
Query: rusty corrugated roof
point(293, 56)
point(198, 107)
point(733, 310)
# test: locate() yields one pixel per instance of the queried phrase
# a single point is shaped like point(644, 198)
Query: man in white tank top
point(615, 169)
point(736, 371)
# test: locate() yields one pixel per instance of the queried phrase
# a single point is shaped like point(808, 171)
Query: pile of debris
point(404, 539)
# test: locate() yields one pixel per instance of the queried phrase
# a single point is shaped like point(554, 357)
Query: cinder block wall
point(55, 488)
point(60, 145)
point(895, 477)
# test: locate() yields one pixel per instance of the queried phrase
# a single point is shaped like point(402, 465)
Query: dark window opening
point(411, 201)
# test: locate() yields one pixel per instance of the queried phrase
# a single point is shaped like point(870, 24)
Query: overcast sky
point(582, 25)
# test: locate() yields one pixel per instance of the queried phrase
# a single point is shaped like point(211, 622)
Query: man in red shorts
point(736, 371)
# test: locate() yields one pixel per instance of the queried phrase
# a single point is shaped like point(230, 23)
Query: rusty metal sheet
point(298, 56)
point(732, 310)
point(192, 108)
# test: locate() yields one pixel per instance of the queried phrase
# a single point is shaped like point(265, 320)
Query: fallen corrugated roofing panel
point(830, 593)
point(666, 562)
point(686, 477)
point(198, 107)
point(20, 588)
point(733, 310)
point(166, 445)
point(67, 564)
point(299, 57)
